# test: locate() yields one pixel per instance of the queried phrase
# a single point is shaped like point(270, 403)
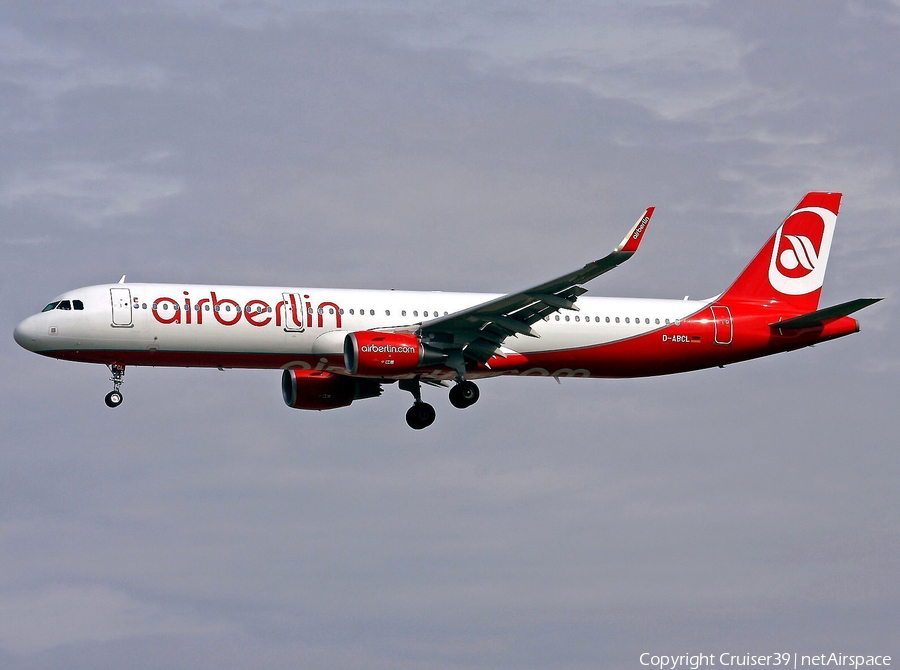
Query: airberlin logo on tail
point(799, 260)
point(800, 252)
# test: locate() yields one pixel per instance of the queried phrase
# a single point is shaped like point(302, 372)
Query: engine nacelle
point(317, 389)
point(373, 354)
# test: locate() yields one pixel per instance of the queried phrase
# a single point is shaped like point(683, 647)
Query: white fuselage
point(275, 327)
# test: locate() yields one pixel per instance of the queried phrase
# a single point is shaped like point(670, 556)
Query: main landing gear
point(421, 414)
point(114, 397)
point(464, 394)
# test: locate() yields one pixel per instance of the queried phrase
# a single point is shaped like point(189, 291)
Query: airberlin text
point(387, 349)
point(291, 313)
point(640, 228)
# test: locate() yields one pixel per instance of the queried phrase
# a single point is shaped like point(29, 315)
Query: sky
point(471, 146)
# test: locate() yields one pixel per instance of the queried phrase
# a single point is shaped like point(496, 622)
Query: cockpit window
point(77, 304)
point(64, 304)
point(51, 306)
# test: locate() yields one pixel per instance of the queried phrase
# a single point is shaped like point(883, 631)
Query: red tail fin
point(790, 268)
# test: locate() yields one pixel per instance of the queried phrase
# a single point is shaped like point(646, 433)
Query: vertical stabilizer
point(790, 268)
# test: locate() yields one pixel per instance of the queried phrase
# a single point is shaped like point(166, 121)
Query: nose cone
point(27, 334)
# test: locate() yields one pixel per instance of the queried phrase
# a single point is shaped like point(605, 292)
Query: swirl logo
point(800, 251)
point(800, 258)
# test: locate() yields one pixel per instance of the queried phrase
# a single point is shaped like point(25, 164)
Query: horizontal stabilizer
point(817, 318)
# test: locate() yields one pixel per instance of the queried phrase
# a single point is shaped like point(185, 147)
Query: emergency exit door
point(724, 325)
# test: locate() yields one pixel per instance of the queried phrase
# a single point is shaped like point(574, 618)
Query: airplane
point(335, 346)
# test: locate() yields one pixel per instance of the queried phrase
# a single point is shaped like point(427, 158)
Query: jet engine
point(373, 354)
point(317, 389)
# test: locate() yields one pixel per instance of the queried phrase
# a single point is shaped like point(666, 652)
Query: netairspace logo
point(784, 660)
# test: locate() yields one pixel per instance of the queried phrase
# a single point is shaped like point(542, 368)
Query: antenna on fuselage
point(122, 280)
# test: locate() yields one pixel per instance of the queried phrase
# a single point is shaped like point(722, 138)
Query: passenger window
point(617, 319)
point(387, 312)
point(607, 319)
point(371, 312)
point(657, 322)
point(415, 312)
point(49, 307)
point(64, 304)
point(578, 318)
point(351, 312)
point(626, 320)
point(403, 312)
point(557, 317)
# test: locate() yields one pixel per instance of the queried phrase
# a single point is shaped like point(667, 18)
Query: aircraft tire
point(420, 415)
point(465, 394)
point(113, 399)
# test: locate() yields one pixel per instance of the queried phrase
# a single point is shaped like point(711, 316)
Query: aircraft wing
point(479, 331)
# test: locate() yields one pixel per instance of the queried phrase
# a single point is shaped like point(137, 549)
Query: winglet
point(636, 234)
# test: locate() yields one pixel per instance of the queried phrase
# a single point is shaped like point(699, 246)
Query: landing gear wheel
point(114, 397)
point(420, 415)
point(465, 394)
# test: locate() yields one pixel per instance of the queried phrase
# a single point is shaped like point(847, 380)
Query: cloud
point(59, 614)
point(91, 193)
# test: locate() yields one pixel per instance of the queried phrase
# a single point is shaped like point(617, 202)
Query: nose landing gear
point(114, 397)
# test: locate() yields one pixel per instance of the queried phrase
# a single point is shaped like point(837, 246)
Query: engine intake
point(373, 354)
point(317, 389)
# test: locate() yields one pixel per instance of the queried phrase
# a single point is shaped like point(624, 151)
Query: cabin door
point(121, 307)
